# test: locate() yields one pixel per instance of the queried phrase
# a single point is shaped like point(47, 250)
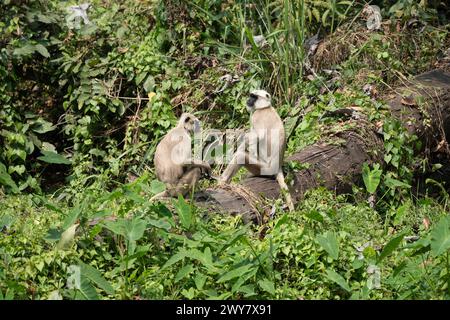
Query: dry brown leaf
point(408, 101)
point(426, 223)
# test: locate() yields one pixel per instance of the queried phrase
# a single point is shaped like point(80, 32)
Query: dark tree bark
point(337, 166)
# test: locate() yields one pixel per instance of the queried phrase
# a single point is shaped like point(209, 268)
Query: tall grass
point(280, 64)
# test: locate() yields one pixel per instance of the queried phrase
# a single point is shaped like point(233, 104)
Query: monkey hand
point(206, 169)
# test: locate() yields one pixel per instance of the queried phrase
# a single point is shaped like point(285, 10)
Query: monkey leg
point(186, 183)
point(285, 190)
point(250, 162)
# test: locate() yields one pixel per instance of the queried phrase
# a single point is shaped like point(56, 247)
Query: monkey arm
point(195, 163)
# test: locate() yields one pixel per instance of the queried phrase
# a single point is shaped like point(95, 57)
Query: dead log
point(337, 163)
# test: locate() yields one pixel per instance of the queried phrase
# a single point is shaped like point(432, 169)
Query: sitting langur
point(173, 161)
point(262, 152)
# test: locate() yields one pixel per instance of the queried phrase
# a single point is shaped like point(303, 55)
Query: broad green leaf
point(43, 126)
point(337, 278)
point(6, 221)
point(72, 217)
point(283, 220)
point(248, 290)
point(174, 259)
point(314, 215)
point(440, 237)
point(157, 186)
point(329, 242)
point(53, 157)
point(67, 237)
point(160, 223)
point(149, 84)
point(371, 177)
point(25, 50)
point(390, 247)
point(135, 229)
point(189, 294)
point(42, 50)
point(96, 277)
point(87, 289)
point(399, 214)
point(267, 286)
point(184, 212)
point(200, 280)
point(186, 270)
point(117, 227)
point(394, 183)
point(235, 273)
point(6, 180)
point(203, 257)
point(53, 235)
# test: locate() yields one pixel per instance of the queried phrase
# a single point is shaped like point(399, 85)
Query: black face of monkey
point(192, 124)
point(251, 101)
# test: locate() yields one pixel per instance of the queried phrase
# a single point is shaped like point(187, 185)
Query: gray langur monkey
point(262, 151)
point(173, 161)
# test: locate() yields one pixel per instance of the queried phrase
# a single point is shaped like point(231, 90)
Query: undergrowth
point(83, 108)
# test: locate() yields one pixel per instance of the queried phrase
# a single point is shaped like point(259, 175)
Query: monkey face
point(190, 122)
point(251, 102)
point(259, 99)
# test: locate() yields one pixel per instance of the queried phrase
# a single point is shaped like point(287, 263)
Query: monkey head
point(189, 122)
point(259, 99)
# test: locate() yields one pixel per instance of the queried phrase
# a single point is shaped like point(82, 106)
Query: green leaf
point(329, 242)
point(337, 278)
point(186, 270)
point(399, 214)
point(184, 212)
point(42, 50)
point(235, 273)
point(135, 228)
point(149, 84)
point(6, 180)
point(204, 258)
point(283, 220)
point(42, 126)
point(314, 215)
point(67, 237)
point(87, 289)
point(6, 221)
point(53, 235)
point(160, 223)
point(200, 280)
point(96, 277)
point(174, 259)
point(390, 247)
point(157, 186)
point(371, 177)
point(267, 286)
point(394, 183)
point(53, 157)
point(117, 227)
point(25, 50)
point(440, 237)
point(72, 216)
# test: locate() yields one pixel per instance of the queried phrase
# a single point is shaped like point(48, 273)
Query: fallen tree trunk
point(337, 166)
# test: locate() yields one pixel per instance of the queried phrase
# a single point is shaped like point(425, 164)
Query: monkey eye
point(253, 96)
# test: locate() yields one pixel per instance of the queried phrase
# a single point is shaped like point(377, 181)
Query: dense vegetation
point(84, 102)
